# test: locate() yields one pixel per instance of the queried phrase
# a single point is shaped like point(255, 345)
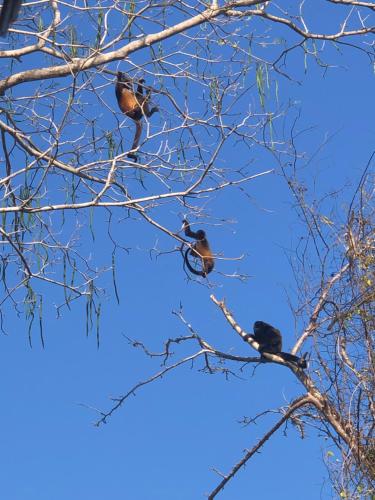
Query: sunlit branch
point(295, 405)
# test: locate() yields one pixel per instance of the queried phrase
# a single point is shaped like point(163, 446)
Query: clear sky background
point(163, 443)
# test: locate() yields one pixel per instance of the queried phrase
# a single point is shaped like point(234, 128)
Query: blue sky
point(163, 443)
